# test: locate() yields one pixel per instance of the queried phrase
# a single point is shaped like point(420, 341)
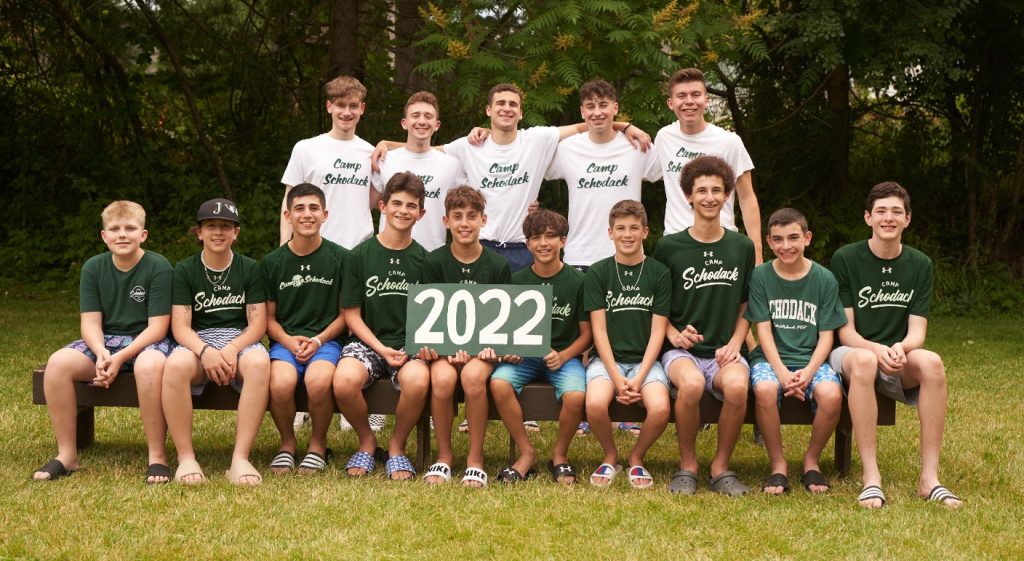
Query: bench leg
point(85, 425)
point(843, 451)
point(422, 443)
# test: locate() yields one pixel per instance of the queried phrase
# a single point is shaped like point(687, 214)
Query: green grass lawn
point(105, 511)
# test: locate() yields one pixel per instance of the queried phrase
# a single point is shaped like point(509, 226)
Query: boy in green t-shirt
point(886, 291)
point(465, 260)
point(218, 317)
point(379, 273)
point(628, 298)
point(125, 304)
point(545, 233)
point(794, 304)
point(304, 321)
point(710, 267)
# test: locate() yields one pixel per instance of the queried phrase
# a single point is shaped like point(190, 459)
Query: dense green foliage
point(172, 102)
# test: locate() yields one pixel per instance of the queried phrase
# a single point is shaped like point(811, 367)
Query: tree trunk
point(407, 25)
point(342, 41)
point(838, 95)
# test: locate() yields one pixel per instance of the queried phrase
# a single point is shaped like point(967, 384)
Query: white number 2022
point(462, 304)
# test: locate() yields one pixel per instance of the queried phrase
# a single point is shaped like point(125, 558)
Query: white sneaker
point(300, 419)
point(377, 422)
point(343, 423)
point(464, 426)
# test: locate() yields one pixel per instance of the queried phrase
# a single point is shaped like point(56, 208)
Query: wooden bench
point(539, 404)
point(537, 400)
point(381, 397)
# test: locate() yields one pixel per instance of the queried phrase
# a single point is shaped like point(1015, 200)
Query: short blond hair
point(123, 210)
point(344, 86)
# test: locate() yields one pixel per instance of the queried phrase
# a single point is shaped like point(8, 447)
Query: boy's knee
point(734, 388)
point(416, 384)
point(500, 386)
point(861, 363)
point(766, 393)
point(828, 397)
point(573, 401)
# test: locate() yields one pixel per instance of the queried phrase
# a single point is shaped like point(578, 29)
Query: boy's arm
point(329, 333)
point(276, 331)
point(766, 339)
point(731, 351)
point(155, 331)
point(599, 327)
point(356, 324)
point(658, 323)
point(91, 326)
point(917, 329)
point(848, 336)
point(751, 213)
point(556, 359)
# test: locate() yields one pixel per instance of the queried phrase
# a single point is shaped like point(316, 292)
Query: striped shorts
point(218, 338)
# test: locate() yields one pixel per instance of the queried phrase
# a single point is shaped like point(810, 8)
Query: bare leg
point(349, 379)
point(254, 371)
point(569, 418)
point(414, 379)
point(690, 385)
point(829, 397)
point(182, 370)
point(474, 383)
point(925, 369)
point(283, 380)
point(318, 379)
point(859, 369)
point(766, 407)
point(732, 380)
point(600, 393)
point(149, 371)
point(656, 401)
point(65, 367)
point(512, 415)
point(443, 378)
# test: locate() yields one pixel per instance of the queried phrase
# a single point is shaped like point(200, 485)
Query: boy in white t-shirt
point(439, 171)
point(338, 162)
point(600, 169)
point(691, 136)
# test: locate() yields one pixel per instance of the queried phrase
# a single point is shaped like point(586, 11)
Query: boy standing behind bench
point(304, 321)
point(125, 303)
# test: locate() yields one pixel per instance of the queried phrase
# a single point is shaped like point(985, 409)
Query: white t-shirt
point(509, 176)
point(439, 172)
point(598, 176)
point(676, 149)
point(342, 169)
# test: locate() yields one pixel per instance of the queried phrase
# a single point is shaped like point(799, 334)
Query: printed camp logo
point(138, 294)
point(506, 170)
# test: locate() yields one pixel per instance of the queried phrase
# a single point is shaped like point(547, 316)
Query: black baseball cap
point(218, 208)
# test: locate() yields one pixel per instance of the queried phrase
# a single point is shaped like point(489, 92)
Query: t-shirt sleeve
point(840, 271)
point(593, 291)
point(88, 289)
point(431, 272)
point(294, 172)
point(457, 148)
point(923, 292)
point(377, 181)
point(757, 300)
point(255, 286)
point(652, 168)
point(662, 293)
point(266, 267)
point(159, 301)
point(739, 158)
point(830, 311)
point(554, 171)
point(460, 174)
point(182, 291)
point(351, 293)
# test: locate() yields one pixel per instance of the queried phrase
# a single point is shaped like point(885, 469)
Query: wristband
point(206, 346)
point(318, 342)
point(626, 128)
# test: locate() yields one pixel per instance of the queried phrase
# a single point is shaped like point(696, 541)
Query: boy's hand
point(458, 359)
point(102, 362)
point(638, 138)
point(216, 368)
point(511, 359)
point(478, 135)
point(379, 153)
point(728, 354)
point(106, 375)
point(686, 338)
point(535, 205)
point(553, 360)
point(792, 384)
point(395, 359)
point(230, 354)
point(898, 354)
point(888, 360)
point(307, 347)
point(488, 355)
point(427, 354)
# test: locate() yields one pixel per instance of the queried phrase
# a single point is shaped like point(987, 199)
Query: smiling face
point(421, 121)
point(505, 111)
point(888, 218)
point(708, 197)
point(628, 233)
point(599, 114)
point(401, 211)
point(546, 247)
point(465, 224)
point(788, 242)
point(306, 214)
point(345, 113)
point(688, 100)
point(124, 236)
point(217, 234)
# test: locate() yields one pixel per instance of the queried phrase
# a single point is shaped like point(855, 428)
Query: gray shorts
point(885, 384)
point(218, 338)
point(707, 366)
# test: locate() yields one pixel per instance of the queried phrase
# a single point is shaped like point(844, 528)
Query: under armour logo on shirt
point(466, 271)
point(886, 269)
point(629, 273)
point(709, 254)
point(304, 267)
point(396, 261)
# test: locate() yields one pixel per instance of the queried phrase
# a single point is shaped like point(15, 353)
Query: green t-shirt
point(798, 309)
point(222, 304)
point(630, 296)
point(709, 284)
point(377, 281)
point(127, 299)
point(883, 293)
point(566, 305)
point(305, 289)
point(440, 266)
